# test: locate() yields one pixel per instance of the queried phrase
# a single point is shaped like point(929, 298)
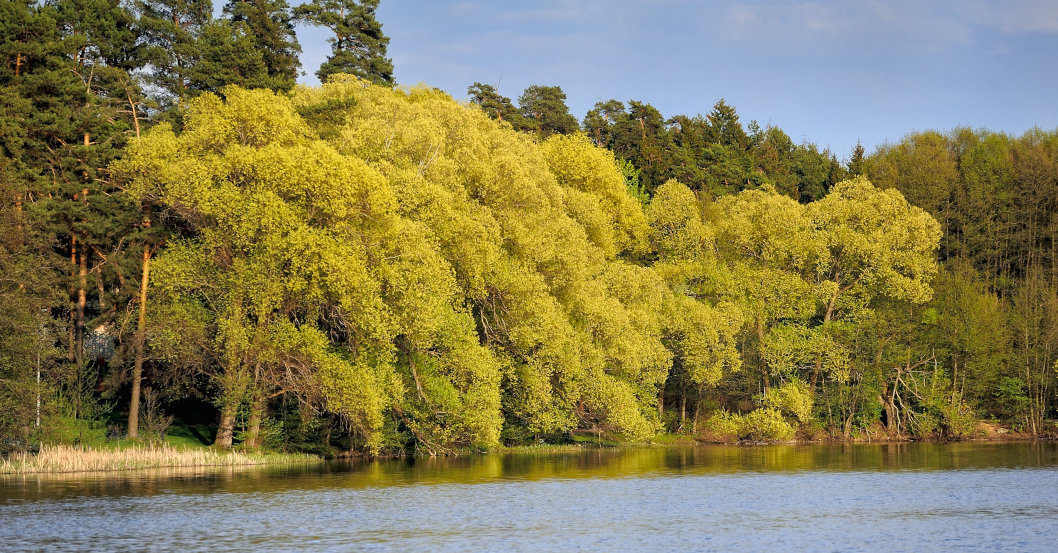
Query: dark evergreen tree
point(270, 24)
point(74, 103)
point(225, 54)
point(601, 119)
point(724, 128)
point(855, 165)
point(170, 32)
point(358, 46)
point(494, 104)
point(545, 111)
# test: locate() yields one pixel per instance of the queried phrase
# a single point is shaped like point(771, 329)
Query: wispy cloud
point(1017, 16)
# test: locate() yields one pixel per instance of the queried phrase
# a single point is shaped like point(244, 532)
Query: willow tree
point(802, 275)
point(430, 275)
point(537, 237)
point(264, 268)
point(702, 326)
point(769, 247)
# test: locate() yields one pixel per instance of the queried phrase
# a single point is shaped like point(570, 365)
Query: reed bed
point(64, 458)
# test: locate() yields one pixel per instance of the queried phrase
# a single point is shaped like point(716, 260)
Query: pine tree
point(225, 54)
point(494, 104)
point(270, 24)
point(71, 103)
point(545, 111)
point(856, 162)
point(724, 128)
point(358, 46)
point(170, 29)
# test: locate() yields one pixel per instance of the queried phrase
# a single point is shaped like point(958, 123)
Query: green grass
point(190, 435)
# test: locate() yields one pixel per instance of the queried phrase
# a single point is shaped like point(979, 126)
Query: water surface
point(887, 497)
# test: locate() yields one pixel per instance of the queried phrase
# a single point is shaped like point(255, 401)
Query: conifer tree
point(270, 24)
point(545, 111)
point(494, 104)
point(226, 54)
point(170, 29)
point(358, 46)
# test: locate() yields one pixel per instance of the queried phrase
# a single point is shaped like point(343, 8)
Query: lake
point(863, 497)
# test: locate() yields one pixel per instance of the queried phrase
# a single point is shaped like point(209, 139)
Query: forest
point(190, 238)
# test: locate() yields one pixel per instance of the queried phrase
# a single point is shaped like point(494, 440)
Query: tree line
point(383, 269)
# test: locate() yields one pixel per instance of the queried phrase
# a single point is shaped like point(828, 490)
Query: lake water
point(869, 497)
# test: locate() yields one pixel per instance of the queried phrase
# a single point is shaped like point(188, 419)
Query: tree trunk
point(141, 331)
point(233, 390)
point(683, 407)
point(71, 342)
point(892, 417)
point(226, 428)
point(327, 433)
point(760, 358)
point(82, 301)
point(258, 406)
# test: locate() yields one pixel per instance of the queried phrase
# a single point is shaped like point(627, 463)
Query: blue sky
point(827, 72)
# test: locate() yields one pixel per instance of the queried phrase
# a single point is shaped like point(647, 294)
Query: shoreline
point(65, 459)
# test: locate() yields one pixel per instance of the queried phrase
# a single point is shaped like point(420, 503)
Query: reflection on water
point(863, 497)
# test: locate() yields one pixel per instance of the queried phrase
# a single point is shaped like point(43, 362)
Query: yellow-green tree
point(405, 262)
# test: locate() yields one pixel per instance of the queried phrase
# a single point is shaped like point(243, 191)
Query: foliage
point(358, 46)
point(724, 426)
point(793, 398)
point(403, 279)
point(765, 425)
point(392, 270)
point(760, 425)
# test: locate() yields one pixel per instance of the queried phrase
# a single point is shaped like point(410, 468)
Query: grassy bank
point(64, 458)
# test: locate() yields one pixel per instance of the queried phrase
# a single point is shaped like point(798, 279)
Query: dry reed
point(64, 458)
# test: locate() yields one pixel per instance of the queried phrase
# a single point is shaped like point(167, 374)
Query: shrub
point(793, 398)
point(765, 425)
point(724, 426)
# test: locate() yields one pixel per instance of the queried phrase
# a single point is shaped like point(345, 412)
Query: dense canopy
point(189, 239)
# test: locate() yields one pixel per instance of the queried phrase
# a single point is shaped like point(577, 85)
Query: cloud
point(900, 25)
point(1021, 16)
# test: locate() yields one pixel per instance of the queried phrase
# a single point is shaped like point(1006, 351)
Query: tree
point(545, 112)
point(171, 29)
point(400, 282)
point(924, 170)
point(600, 120)
point(72, 74)
point(358, 46)
point(270, 23)
point(703, 325)
point(495, 105)
point(877, 246)
point(227, 54)
point(724, 128)
point(28, 288)
point(856, 164)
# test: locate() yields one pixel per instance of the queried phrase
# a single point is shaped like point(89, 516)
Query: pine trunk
point(71, 341)
point(141, 332)
point(82, 301)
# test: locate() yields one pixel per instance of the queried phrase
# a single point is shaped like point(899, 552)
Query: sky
point(826, 72)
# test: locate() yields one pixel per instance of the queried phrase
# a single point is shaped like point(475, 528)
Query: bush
point(765, 425)
point(724, 426)
point(793, 398)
